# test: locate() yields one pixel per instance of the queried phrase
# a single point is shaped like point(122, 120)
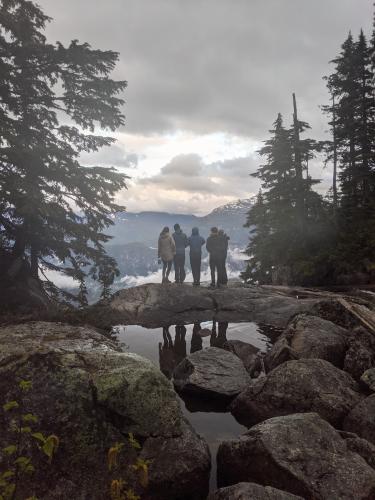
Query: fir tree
point(53, 209)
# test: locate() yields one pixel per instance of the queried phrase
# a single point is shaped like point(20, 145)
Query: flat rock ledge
point(301, 454)
point(155, 305)
point(91, 395)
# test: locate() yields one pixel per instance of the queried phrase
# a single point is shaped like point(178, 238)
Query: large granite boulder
point(153, 305)
point(211, 372)
point(251, 491)
point(91, 395)
point(248, 354)
point(300, 453)
point(309, 336)
point(361, 419)
point(298, 386)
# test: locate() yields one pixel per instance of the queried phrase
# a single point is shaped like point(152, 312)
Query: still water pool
point(166, 347)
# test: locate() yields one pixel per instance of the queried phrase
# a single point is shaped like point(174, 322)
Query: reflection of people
point(224, 239)
point(181, 243)
point(195, 242)
point(218, 340)
point(213, 246)
point(196, 339)
point(166, 354)
point(179, 344)
point(166, 252)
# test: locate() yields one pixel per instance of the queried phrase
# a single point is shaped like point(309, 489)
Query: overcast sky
point(206, 79)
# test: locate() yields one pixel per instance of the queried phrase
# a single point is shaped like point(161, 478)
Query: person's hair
point(221, 231)
point(165, 230)
point(214, 229)
point(176, 227)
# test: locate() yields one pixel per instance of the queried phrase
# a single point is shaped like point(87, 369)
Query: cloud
point(189, 185)
point(212, 65)
point(111, 156)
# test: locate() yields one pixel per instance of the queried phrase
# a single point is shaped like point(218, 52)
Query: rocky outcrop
point(361, 419)
point(248, 354)
point(298, 386)
point(246, 491)
point(212, 372)
point(301, 454)
point(360, 355)
point(307, 337)
point(91, 395)
point(154, 305)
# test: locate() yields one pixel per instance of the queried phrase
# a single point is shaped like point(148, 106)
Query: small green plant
point(137, 471)
point(16, 454)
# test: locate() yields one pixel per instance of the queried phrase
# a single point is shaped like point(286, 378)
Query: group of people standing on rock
point(171, 249)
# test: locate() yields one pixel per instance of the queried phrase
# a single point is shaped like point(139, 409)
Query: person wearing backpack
point(195, 242)
point(181, 243)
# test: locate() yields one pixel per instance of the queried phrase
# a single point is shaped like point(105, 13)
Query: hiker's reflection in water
point(219, 339)
point(196, 339)
point(166, 354)
point(171, 354)
point(180, 344)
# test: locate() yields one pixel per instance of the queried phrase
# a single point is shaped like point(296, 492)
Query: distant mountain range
point(135, 238)
point(144, 227)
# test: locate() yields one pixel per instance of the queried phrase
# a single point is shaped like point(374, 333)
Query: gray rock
point(211, 372)
point(309, 336)
point(360, 355)
point(363, 448)
point(91, 396)
point(248, 354)
point(361, 419)
point(153, 305)
point(368, 379)
point(251, 491)
point(301, 454)
point(298, 386)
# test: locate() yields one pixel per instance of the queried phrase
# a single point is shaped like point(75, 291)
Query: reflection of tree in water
point(219, 339)
point(196, 339)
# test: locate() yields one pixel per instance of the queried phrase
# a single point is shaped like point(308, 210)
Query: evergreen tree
point(285, 219)
point(53, 209)
point(352, 85)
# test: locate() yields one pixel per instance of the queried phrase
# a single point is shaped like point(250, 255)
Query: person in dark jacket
point(224, 239)
point(181, 243)
point(195, 242)
point(214, 248)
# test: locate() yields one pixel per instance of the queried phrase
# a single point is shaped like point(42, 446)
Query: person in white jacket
point(166, 252)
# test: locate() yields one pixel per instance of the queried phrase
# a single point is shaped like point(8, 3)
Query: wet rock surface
point(308, 336)
point(361, 419)
point(91, 395)
point(298, 386)
point(247, 491)
point(212, 372)
point(301, 454)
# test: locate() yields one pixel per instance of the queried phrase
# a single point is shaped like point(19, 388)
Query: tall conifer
point(53, 209)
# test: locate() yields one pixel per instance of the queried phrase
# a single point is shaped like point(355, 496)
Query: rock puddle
point(167, 347)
